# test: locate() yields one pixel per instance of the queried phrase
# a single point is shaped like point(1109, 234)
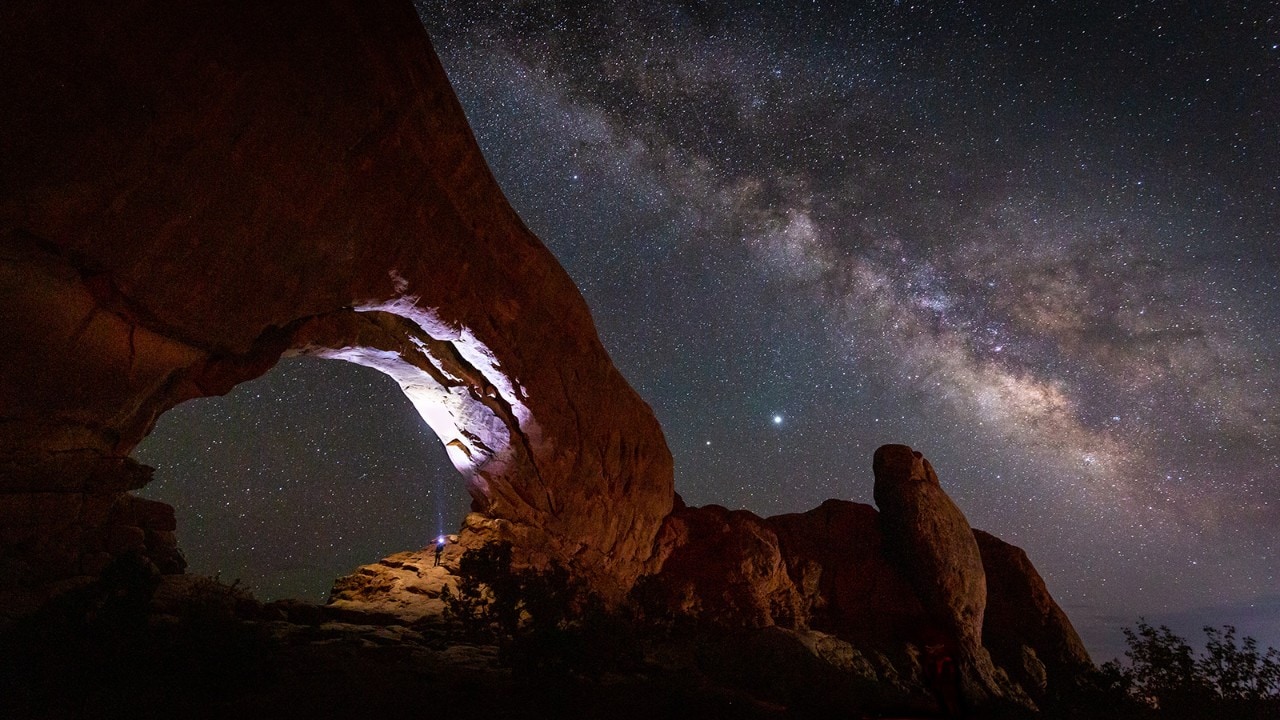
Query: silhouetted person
point(440, 541)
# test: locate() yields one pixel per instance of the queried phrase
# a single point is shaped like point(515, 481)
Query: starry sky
point(1036, 241)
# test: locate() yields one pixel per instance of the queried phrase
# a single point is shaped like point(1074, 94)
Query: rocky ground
point(403, 588)
point(192, 647)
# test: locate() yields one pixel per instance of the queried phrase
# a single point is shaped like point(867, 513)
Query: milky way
point(1038, 245)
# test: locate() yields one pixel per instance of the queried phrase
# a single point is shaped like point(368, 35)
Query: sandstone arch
point(190, 193)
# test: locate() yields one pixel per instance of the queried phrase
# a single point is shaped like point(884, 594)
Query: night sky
point(1040, 245)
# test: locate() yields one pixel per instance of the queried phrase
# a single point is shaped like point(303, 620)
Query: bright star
point(777, 419)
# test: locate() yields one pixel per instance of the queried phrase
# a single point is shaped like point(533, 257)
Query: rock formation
point(907, 584)
point(725, 566)
point(191, 191)
point(931, 542)
point(1028, 635)
point(836, 554)
point(404, 588)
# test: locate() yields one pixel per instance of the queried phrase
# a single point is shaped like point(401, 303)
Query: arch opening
point(455, 382)
point(296, 477)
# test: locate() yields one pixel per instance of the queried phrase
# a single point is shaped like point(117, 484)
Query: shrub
point(1231, 678)
point(545, 621)
point(488, 599)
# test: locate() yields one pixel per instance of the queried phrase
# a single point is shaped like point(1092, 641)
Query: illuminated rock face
point(189, 192)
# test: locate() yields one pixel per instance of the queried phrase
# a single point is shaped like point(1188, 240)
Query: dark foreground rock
point(190, 647)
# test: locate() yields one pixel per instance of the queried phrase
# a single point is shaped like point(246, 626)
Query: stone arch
point(179, 212)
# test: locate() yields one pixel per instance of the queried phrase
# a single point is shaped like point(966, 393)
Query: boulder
point(930, 541)
point(404, 588)
point(724, 567)
point(835, 553)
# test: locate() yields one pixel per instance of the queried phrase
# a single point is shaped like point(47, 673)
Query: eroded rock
point(190, 191)
point(835, 553)
point(905, 586)
point(1025, 630)
point(405, 587)
point(930, 541)
point(725, 567)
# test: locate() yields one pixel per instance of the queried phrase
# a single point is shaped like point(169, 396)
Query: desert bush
point(1164, 677)
point(487, 601)
point(545, 621)
point(105, 646)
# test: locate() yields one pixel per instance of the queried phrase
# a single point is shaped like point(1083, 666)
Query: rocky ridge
point(897, 591)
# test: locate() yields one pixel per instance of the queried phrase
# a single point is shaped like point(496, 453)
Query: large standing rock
point(928, 537)
point(190, 190)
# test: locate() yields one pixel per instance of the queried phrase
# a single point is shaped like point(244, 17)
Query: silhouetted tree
point(487, 601)
point(1166, 678)
point(1240, 673)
